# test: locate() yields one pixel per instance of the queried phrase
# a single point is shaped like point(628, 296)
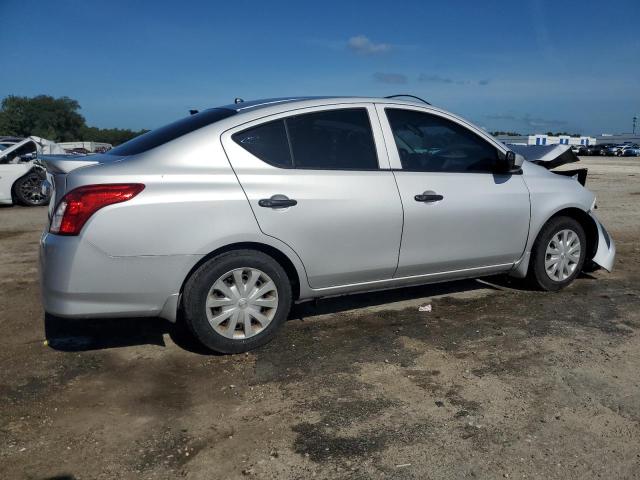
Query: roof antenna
point(193, 112)
point(238, 100)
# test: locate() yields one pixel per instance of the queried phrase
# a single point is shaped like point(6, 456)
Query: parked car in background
point(78, 151)
point(6, 142)
point(632, 151)
point(596, 150)
point(599, 149)
point(581, 150)
point(617, 150)
point(21, 175)
point(233, 213)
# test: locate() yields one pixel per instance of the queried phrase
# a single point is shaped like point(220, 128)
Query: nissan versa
point(231, 214)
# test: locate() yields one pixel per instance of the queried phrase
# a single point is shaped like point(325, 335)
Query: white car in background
point(21, 175)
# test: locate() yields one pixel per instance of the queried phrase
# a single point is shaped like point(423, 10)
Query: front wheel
point(237, 300)
point(28, 190)
point(558, 254)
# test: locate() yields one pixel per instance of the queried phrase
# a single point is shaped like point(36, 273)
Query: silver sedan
point(224, 218)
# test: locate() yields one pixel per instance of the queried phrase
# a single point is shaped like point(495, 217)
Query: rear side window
point(333, 139)
point(329, 140)
point(165, 134)
point(268, 142)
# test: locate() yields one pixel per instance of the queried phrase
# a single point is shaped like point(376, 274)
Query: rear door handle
point(428, 197)
point(277, 201)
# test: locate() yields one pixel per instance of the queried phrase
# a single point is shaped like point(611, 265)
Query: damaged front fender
point(606, 251)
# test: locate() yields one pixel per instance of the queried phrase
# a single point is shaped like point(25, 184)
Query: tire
point(28, 190)
point(568, 265)
point(212, 292)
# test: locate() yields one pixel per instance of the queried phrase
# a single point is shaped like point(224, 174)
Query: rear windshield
point(165, 134)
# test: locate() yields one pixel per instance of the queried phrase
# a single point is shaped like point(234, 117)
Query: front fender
point(604, 256)
point(606, 251)
point(9, 173)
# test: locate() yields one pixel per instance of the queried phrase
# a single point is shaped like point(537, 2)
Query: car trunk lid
point(60, 166)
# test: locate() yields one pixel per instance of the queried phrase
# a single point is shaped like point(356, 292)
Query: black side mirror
point(510, 159)
point(508, 163)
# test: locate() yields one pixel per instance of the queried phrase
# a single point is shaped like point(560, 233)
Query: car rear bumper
point(81, 281)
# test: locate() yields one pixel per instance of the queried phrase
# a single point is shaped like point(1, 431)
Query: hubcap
point(562, 255)
point(241, 303)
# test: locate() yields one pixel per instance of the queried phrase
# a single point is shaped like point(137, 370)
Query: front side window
point(429, 143)
point(328, 140)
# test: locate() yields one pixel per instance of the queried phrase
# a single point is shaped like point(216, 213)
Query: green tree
point(500, 132)
point(54, 119)
point(114, 136)
point(43, 116)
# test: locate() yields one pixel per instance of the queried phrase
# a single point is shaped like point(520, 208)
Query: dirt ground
point(496, 382)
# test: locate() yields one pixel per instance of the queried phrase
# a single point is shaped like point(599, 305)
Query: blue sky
point(528, 66)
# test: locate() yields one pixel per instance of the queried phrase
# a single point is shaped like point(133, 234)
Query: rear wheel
point(28, 189)
point(237, 301)
point(558, 254)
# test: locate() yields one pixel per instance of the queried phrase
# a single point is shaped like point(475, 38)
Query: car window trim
point(289, 145)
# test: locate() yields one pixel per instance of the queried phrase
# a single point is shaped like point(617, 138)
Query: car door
point(459, 215)
point(314, 180)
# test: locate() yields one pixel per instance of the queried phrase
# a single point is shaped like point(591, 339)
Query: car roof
point(257, 109)
point(254, 105)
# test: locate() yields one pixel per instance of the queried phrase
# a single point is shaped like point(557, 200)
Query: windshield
point(24, 153)
point(165, 134)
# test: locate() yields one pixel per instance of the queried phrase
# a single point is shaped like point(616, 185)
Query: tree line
point(516, 134)
point(56, 119)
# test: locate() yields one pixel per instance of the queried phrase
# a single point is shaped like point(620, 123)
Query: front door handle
point(277, 201)
point(428, 197)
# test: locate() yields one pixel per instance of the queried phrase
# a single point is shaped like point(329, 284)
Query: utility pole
point(635, 119)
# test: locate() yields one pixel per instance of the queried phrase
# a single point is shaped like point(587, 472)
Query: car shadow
point(75, 335)
point(354, 301)
point(79, 335)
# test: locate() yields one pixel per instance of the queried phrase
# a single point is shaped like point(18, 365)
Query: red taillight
point(77, 206)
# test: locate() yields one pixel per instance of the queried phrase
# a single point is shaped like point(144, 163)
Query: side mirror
point(510, 162)
point(518, 161)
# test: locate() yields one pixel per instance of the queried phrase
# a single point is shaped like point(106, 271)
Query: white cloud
point(528, 120)
point(447, 80)
point(390, 78)
point(361, 44)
